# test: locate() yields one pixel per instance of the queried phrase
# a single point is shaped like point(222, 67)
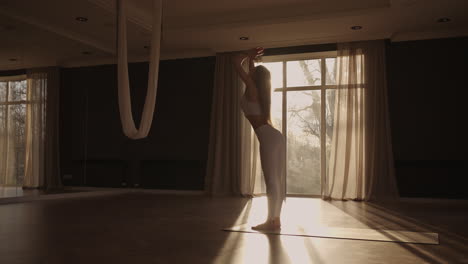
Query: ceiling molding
point(310, 41)
point(278, 15)
point(186, 54)
point(271, 16)
point(137, 16)
point(57, 30)
point(433, 34)
point(9, 67)
point(13, 78)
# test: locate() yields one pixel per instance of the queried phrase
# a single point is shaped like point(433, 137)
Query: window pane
point(18, 120)
point(329, 117)
point(304, 73)
point(277, 109)
point(12, 140)
point(17, 91)
point(330, 64)
point(3, 123)
point(276, 71)
point(3, 90)
point(303, 141)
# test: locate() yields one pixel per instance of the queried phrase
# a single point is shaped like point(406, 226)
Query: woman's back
point(253, 112)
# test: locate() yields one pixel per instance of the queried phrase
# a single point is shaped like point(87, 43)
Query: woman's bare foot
point(271, 224)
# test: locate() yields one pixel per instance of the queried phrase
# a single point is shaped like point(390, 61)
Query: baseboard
point(82, 191)
point(92, 192)
point(432, 200)
point(177, 192)
point(43, 197)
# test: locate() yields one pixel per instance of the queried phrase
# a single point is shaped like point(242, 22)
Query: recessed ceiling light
point(12, 59)
point(443, 20)
point(81, 19)
point(86, 53)
point(356, 27)
point(244, 38)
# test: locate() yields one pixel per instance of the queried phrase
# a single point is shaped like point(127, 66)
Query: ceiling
point(45, 33)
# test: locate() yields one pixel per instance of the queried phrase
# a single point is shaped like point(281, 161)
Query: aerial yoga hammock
point(125, 104)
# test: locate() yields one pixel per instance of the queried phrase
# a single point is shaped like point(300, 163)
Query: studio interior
point(249, 131)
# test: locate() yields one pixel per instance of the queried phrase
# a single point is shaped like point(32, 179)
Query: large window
point(13, 101)
point(302, 104)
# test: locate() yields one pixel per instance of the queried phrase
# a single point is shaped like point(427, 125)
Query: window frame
point(7, 103)
point(16, 78)
point(323, 87)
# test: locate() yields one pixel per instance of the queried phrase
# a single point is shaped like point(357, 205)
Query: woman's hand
point(239, 58)
point(255, 53)
point(252, 54)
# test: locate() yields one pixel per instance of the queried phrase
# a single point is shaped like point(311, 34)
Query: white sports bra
point(250, 108)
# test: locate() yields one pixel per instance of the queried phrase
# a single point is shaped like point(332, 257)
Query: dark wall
point(94, 150)
point(96, 153)
point(427, 99)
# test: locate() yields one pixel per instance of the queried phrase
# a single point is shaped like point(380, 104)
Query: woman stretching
point(256, 103)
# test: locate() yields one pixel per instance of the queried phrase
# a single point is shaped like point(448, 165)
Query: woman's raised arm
point(238, 60)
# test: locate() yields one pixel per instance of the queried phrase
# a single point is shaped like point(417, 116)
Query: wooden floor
point(9, 193)
point(139, 227)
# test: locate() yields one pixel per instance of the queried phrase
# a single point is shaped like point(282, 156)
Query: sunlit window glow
point(302, 116)
point(13, 95)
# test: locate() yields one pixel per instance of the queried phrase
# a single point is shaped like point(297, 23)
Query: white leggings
point(273, 159)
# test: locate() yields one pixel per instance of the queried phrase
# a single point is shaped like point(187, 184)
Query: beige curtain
point(361, 161)
point(10, 139)
point(42, 167)
point(35, 129)
point(233, 165)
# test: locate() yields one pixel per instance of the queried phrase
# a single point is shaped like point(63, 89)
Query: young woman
point(256, 103)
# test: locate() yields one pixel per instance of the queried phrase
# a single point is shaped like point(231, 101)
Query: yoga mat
point(347, 233)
